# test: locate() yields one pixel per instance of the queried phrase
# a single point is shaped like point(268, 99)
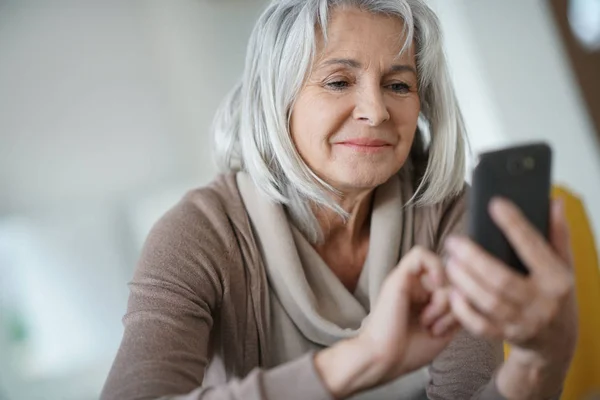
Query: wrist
point(527, 375)
point(347, 368)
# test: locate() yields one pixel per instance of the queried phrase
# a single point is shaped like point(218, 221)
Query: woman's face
point(354, 120)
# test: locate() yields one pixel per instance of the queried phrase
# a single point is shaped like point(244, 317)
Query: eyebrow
point(350, 63)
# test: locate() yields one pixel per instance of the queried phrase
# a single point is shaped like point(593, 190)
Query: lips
point(365, 145)
point(365, 142)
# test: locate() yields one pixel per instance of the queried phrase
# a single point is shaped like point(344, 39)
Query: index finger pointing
point(421, 260)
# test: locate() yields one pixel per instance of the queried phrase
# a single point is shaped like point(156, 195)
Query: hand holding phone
point(516, 283)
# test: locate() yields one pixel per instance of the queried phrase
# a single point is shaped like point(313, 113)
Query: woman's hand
point(410, 324)
point(535, 314)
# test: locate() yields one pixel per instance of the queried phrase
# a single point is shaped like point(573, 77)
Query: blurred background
point(105, 108)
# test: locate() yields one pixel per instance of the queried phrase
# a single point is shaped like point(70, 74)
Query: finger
point(559, 232)
point(528, 243)
point(392, 305)
point(404, 284)
point(491, 272)
point(438, 306)
point(547, 267)
point(420, 292)
point(445, 325)
point(536, 318)
point(494, 305)
point(470, 319)
point(420, 260)
point(519, 333)
point(427, 283)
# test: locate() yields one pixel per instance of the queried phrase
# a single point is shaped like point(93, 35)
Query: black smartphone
point(521, 174)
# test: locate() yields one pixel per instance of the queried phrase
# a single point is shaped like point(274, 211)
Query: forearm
point(347, 369)
point(525, 377)
point(295, 380)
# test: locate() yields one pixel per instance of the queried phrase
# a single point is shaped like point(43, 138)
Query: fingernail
point(496, 204)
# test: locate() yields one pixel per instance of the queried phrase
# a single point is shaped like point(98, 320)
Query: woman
point(313, 268)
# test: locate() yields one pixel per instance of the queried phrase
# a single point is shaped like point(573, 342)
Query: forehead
point(351, 30)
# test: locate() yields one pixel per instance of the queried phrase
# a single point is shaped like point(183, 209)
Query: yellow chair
point(583, 378)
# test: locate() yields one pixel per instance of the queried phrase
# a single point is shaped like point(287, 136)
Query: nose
point(370, 106)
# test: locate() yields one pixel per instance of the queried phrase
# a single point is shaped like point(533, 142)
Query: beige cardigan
point(197, 312)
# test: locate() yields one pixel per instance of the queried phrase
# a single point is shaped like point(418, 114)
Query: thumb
point(560, 238)
point(388, 321)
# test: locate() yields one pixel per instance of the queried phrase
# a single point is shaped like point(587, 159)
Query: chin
point(361, 178)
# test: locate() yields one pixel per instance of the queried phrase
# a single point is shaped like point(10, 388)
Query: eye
point(399, 87)
point(337, 85)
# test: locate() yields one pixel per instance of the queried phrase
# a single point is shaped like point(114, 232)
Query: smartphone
point(521, 174)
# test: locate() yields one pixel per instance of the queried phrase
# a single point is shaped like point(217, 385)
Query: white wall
point(515, 85)
point(124, 91)
point(103, 105)
point(81, 105)
point(470, 79)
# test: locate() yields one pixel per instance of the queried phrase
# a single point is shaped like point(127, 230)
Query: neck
point(352, 229)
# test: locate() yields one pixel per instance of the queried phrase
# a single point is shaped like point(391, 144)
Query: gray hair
point(251, 128)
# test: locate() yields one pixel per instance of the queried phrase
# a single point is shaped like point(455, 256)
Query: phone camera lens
point(529, 163)
point(520, 165)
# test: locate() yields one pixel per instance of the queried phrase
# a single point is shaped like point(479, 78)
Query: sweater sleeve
point(294, 380)
point(174, 302)
point(465, 369)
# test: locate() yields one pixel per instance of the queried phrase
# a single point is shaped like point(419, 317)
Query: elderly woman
point(313, 268)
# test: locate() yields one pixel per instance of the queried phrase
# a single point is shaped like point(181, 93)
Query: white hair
point(251, 128)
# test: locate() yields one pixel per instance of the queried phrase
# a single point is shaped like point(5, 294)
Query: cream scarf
point(309, 307)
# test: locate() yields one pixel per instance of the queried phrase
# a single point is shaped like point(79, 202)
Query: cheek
point(406, 117)
point(304, 134)
point(314, 120)
point(408, 111)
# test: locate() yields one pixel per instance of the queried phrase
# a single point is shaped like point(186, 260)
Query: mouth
point(365, 145)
